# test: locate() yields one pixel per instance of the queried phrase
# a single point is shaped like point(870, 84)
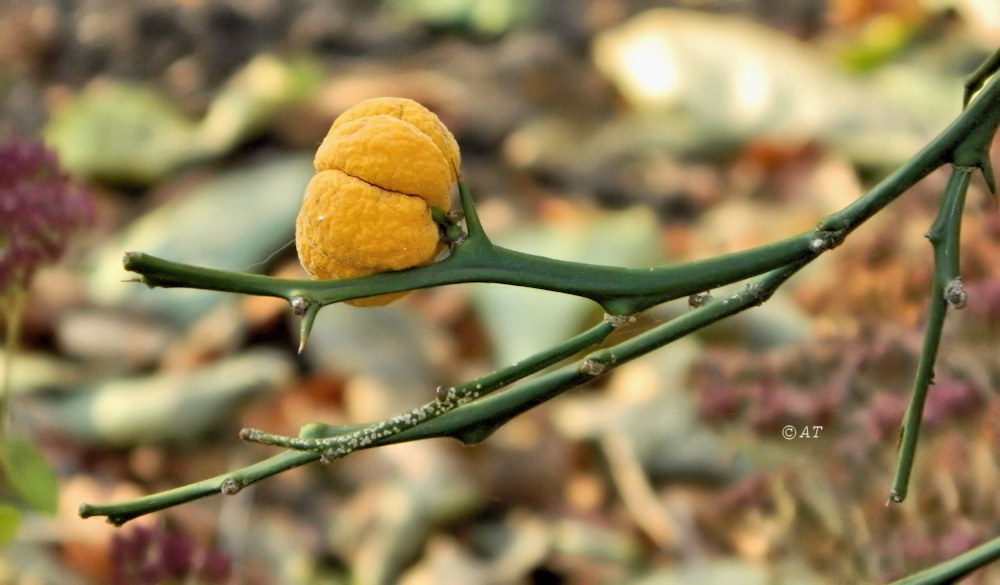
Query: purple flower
point(40, 210)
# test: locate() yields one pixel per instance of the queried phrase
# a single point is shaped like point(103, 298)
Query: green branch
point(620, 291)
point(472, 411)
point(952, 570)
point(335, 442)
point(227, 484)
point(11, 310)
point(352, 437)
point(946, 290)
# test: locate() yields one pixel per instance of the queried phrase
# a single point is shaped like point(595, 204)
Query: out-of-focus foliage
point(10, 523)
point(235, 219)
point(29, 474)
point(704, 83)
point(166, 407)
point(485, 18)
point(143, 137)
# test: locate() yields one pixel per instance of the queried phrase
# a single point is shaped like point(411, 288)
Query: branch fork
point(470, 412)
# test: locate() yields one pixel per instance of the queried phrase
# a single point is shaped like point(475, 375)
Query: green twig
point(335, 442)
point(229, 483)
point(620, 291)
point(946, 290)
point(355, 436)
point(974, 82)
point(954, 569)
point(13, 309)
point(478, 419)
point(474, 420)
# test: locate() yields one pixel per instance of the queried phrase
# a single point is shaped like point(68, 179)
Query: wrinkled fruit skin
point(381, 168)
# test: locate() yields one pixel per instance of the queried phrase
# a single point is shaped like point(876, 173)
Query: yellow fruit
point(359, 225)
point(368, 208)
point(391, 154)
point(415, 113)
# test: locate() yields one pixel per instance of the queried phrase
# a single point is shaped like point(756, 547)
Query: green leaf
point(10, 523)
point(30, 475)
point(128, 133)
point(122, 133)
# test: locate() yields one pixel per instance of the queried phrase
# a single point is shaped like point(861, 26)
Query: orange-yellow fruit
point(391, 154)
point(415, 113)
point(380, 169)
point(359, 225)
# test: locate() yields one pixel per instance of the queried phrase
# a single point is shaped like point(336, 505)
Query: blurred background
point(621, 132)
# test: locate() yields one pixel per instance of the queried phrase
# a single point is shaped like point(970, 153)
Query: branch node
point(299, 305)
point(698, 299)
point(592, 367)
point(617, 321)
point(826, 239)
point(329, 455)
point(449, 226)
point(444, 394)
point(250, 435)
point(955, 294)
point(230, 486)
point(758, 293)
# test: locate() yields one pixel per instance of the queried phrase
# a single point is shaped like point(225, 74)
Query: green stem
point(13, 309)
point(494, 411)
point(621, 291)
point(974, 82)
point(476, 420)
point(965, 142)
point(954, 569)
point(335, 442)
point(229, 483)
point(473, 421)
point(945, 236)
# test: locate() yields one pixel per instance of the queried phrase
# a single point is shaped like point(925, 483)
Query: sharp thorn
point(991, 182)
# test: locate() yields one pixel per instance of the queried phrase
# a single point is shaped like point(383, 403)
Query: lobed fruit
point(381, 168)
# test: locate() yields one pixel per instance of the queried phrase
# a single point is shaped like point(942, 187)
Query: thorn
point(617, 321)
point(991, 182)
point(308, 318)
point(117, 519)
